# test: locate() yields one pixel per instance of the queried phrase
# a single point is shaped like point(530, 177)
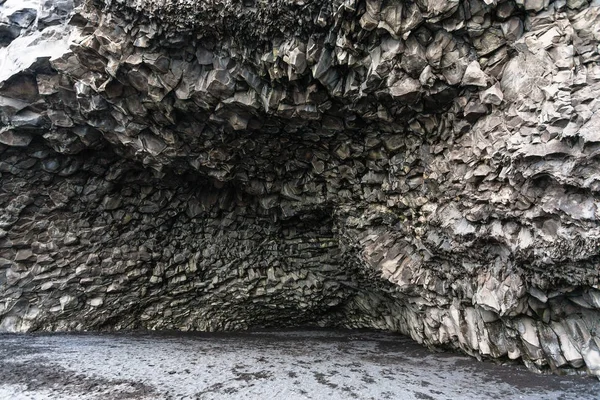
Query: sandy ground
point(260, 365)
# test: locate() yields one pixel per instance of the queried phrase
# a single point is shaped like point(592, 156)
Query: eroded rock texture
point(426, 167)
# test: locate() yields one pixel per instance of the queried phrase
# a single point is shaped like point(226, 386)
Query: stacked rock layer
point(427, 167)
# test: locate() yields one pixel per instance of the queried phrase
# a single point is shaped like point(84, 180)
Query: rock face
point(426, 167)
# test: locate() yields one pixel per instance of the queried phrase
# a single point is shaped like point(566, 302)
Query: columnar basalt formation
point(426, 167)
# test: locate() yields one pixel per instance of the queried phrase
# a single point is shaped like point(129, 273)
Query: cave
point(427, 168)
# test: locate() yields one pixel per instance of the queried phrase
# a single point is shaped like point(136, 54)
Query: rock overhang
point(289, 175)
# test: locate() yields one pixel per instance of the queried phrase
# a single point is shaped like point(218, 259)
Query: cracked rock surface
point(426, 167)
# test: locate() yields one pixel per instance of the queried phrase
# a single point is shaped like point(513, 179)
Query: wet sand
point(302, 364)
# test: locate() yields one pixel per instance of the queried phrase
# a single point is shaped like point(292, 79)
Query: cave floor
point(298, 364)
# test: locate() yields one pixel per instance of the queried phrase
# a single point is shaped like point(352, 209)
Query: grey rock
point(536, 5)
point(492, 95)
point(220, 84)
point(427, 167)
point(23, 17)
point(10, 137)
point(406, 89)
point(474, 75)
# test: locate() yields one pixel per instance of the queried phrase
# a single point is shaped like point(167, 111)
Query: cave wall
point(423, 167)
point(103, 244)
